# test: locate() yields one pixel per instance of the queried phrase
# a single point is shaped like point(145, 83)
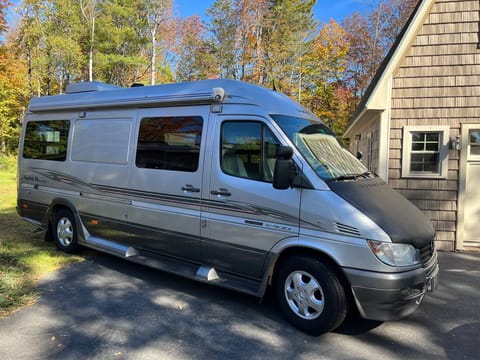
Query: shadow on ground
point(107, 308)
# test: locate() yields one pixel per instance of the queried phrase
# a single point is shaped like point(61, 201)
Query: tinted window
point(249, 150)
point(46, 140)
point(169, 143)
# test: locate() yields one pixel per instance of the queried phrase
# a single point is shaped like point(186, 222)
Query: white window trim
point(407, 145)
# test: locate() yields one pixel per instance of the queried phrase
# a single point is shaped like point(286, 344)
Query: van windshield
point(322, 149)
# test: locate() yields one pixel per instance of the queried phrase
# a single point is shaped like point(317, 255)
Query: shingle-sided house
point(418, 126)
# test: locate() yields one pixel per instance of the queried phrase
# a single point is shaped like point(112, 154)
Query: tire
point(64, 231)
point(310, 295)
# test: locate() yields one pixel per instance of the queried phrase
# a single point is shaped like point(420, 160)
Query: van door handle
point(221, 192)
point(190, 188)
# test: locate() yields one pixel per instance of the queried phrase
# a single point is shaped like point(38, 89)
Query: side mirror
point(284, 171)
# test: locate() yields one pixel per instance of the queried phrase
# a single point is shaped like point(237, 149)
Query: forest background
point(275, 43)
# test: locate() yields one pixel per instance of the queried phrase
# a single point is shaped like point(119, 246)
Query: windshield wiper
point(365, 174)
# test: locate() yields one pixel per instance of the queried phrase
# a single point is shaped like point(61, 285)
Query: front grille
point(427, 251)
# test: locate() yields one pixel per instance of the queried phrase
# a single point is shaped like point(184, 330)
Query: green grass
point(24, 255)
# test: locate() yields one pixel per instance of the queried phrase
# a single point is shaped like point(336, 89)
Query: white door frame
point(462, 183)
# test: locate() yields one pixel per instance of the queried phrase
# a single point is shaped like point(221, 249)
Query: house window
point(425, 151)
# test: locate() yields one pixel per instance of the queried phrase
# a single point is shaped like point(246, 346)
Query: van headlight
point(395, 254)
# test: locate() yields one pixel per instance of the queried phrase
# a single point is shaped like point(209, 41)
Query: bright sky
point(324, 9)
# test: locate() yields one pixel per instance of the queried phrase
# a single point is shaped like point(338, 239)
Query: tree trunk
point(153, 58)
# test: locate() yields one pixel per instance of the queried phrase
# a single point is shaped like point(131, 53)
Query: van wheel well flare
point(309, 294)
point(64, 230)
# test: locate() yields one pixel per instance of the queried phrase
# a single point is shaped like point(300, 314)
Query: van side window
point(169, 143)
point(248, 150)
point(46, 140)
point(101, 140)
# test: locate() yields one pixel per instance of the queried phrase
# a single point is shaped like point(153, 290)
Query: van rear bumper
point(392, 296)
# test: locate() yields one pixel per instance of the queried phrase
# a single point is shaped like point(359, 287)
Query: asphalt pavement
point(108, 308)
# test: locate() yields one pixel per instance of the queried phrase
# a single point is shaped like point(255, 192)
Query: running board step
point(195, 271)
point(111, 247)
point(199, 272)
point(207, 273)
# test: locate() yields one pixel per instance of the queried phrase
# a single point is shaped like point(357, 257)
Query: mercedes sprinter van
point(230, 184)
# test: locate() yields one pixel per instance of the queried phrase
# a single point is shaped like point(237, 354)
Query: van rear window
point(46, 140)
point(169, 143)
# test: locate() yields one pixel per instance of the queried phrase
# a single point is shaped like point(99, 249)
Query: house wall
point(437, 83)
point(368, 143)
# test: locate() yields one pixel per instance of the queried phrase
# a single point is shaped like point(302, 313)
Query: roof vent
point(89, 86)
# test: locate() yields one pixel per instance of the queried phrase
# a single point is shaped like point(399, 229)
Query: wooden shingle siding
point(437, 84)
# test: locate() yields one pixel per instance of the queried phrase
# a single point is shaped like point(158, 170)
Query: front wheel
point(310, 295)
point(65, 231)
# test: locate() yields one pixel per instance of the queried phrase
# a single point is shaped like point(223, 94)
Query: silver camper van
point(227, 183)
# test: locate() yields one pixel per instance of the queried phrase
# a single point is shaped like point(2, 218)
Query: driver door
point(246, 215)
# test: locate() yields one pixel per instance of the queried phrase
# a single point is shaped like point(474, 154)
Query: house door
point(468, 229)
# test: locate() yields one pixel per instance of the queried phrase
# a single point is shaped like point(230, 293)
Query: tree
point(287, 29)
point(320, 87)
point(371, 37)
point(250, 37)
point(160, 24)
point(120, 57)
point(13, 97)
point(4, 4)
point(49, 34)
point(195, 59)
point(224, 22)
point(89, 12)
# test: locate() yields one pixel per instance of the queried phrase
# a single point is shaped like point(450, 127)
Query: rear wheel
point(65, 231)
point(310, 294)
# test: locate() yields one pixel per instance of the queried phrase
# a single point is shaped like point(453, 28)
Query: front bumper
point(392, 296)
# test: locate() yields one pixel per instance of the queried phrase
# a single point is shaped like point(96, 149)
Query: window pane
point(416, 167)
point(243, 152)
point(241, 149)
point(418, 146)
point(474, 149)
point(417, 158)
point(425, 162)
point(432, 168)
point(433, 136)
point(417, 136)
point(431, 146)
point(270, 148)
point(169, 143)
point(46, 140)
point(475, 137)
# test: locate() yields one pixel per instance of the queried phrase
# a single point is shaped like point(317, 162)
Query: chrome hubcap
point(64, 231)
point(304, 295)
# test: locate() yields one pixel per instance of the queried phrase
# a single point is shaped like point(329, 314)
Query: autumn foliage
point(275, 43)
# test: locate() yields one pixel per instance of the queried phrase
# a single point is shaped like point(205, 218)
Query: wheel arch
point(56, 205)
point(298, 247)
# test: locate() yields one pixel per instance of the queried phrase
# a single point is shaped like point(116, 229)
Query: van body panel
point(393, 296)
point(325, 211)
point(399, 218)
